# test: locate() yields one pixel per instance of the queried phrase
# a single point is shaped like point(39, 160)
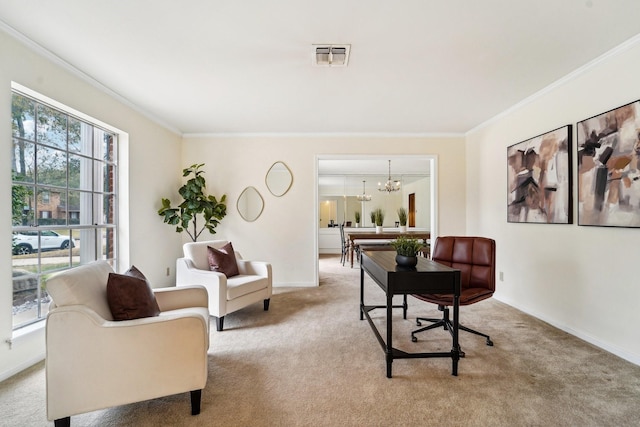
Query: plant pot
point(406, 261)
point(403, 228)
point(378, 229)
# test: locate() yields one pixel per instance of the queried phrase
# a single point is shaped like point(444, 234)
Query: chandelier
point(364, 197)
point(389, 186)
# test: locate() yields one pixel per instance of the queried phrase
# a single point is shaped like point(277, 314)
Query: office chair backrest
point(475, 257)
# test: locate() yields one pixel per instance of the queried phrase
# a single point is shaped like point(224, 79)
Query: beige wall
point(150, 162)
point(285, 234)
point(580, 279)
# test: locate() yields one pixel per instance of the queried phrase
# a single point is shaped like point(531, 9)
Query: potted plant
point(378, 219)
point(402, 218)
point(356, 214)
point(195, 203)
point(406, 250)
point(372, 214)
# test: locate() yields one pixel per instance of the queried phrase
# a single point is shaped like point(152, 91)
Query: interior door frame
point(433, 181)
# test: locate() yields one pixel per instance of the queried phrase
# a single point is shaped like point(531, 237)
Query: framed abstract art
point(608, 175)
point(539, 179)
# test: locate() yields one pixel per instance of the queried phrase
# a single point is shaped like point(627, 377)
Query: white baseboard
point(630, 357)
point(21, 367)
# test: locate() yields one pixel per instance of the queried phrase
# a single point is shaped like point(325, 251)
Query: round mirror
point(279, 179)
point(250, 204)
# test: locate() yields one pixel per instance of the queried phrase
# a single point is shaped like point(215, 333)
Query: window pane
point(23, 160)
point(107, 246)
point(22, 117)
point(51, 200)
point(51, 167)
point(30, 299)
point(109, 147)
point(52, 127)
point(108, 176)
point(74, 207)
point(80, 136)
point(108, 209)
point(22, 205)
point(80, 172)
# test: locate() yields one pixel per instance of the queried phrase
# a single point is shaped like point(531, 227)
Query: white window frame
point(114, 225)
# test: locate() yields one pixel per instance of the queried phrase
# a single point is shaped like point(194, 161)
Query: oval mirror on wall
point(279, 179)
point(250, 204)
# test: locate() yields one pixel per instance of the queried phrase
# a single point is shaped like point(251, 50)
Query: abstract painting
point(608, 175)
point(539, 179)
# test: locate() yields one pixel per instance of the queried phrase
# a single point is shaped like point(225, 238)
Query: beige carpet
point(310, 361)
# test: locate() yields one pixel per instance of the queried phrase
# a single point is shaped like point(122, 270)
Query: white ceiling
point(244, 66)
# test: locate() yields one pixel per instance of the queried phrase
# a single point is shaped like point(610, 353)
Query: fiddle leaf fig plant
point(195, 204)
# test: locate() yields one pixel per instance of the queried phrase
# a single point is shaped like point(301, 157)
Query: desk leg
point(351, 252)
point(361, 292)
point(404, 307)
point(389, 349)
point(455, 351)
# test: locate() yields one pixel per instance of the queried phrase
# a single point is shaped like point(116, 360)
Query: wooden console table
point(427, 277)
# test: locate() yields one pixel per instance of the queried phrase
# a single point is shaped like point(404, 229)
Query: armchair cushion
point(223, 260)
point(130, 297)
point(84, 285)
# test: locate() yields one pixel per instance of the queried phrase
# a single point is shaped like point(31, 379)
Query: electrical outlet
point(502, 276)
point(168, 271)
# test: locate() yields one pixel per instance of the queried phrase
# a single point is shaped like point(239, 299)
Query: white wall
point(150, 162)
point(285, 234)
point(580, 279)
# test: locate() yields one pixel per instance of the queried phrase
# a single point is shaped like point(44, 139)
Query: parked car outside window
point(26, 242)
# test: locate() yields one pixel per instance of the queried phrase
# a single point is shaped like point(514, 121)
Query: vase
point(406, 261)
point(378, 229)
point(403, 228)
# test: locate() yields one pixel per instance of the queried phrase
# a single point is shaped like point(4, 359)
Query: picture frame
point(608, 147)
point(539, 179)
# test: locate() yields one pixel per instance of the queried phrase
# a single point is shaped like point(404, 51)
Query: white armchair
point(94, 362)
point(226, 295)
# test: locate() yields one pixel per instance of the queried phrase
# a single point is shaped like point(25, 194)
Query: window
point(64, 181)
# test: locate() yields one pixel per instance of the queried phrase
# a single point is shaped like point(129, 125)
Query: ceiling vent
point(331, 55)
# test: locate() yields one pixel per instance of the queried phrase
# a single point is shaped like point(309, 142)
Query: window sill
point(26, 331)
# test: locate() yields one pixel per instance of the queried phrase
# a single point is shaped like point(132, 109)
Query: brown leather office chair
point(475, 257)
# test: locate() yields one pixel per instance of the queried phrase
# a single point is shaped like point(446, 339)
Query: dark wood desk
point(427, 277)
point(385, 235)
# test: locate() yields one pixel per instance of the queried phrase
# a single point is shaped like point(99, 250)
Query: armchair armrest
point(257, 268)
point(173, 298)
point(120, 362)
point(215, 283)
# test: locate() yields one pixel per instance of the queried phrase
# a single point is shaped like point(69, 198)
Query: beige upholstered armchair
point(95, 362)
point(226, 294)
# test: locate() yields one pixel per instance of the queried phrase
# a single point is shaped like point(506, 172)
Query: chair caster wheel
point(489, 343)
point(418, 323)
point(414, 339)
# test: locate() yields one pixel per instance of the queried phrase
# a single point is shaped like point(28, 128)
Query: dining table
point(355, 238)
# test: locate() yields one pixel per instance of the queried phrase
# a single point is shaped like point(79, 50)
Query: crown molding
point(322, 135)
point(621, 48)
point(50, 56)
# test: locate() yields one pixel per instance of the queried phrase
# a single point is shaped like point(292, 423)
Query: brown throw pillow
point(130, 296)
point(223, 260)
